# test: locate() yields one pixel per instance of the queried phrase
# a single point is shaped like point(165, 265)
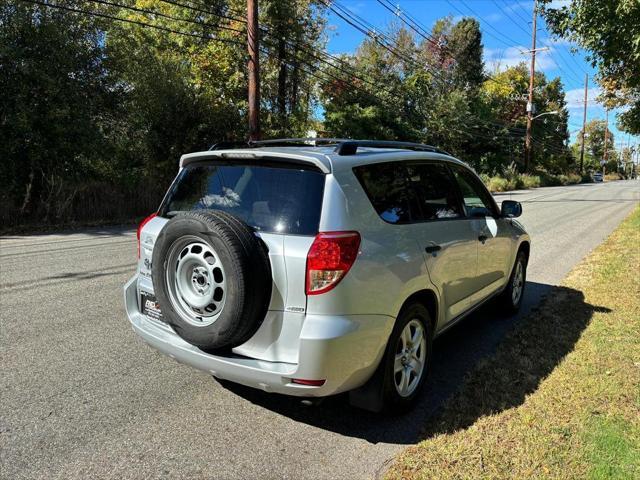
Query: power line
point(134, 22)
point(510, 131)
point(163, 15)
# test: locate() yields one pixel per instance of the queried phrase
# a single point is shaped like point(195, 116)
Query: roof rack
point(344, 146)
point(350, 147)
point(278, 142)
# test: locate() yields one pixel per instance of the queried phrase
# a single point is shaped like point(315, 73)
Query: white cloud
point(558, 4)
point(356, 8)
point(575, 98)
point(559, 42)
point(498, 58)
point(493, 17)
point(526, 5)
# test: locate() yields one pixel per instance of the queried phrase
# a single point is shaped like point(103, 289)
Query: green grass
point(560, 398)
point(611, 449)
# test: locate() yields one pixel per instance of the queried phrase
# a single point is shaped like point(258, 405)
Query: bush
point(570, 179)
point(498, 184)
point(529, 181)
point(548, 180)
point(610, 177)
point(526, 180)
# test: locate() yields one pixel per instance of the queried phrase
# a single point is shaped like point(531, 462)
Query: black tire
point(247, 288)
point(505, 301)
point(393, 401)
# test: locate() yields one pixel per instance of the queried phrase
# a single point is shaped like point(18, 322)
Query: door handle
point(432, 248)
point(482, 238)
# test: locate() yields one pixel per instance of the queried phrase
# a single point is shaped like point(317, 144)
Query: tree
point(505, 104)
point(58, 101)
point(610, 31)
point(464, 45)
point(594, 142)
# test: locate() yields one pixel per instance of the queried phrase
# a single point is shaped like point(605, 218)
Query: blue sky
point(506, 27)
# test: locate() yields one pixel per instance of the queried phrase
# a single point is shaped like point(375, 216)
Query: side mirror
point(511, 209)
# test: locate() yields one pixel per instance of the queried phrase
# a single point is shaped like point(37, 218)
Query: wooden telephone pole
point(606, 138)
point(253, 34)
point(532, 72)
point(584, 120)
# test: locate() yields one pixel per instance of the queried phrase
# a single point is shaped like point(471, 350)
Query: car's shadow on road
point(530, 346)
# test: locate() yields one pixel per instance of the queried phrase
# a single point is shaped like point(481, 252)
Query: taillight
point(329, 259)
point(141, 226)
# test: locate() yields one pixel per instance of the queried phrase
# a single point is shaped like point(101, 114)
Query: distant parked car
point(597, 177)
point(311, 270)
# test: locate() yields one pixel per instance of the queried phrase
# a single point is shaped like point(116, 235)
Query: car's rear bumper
point(342, 350)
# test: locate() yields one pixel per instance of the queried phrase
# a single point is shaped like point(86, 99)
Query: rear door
point(282, 201)
point(446, 237)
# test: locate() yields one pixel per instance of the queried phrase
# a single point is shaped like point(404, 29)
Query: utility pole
point(606, 143)
point(253, 34)
point(606, 138)
point(527, 142)
point(584, 120)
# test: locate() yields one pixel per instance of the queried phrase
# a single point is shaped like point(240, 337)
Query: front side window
point(388, 190)
point(477, 200)
point(436, 191)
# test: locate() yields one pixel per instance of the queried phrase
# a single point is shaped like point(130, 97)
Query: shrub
point(498, 184)
point(529, 181)
point(609, 177)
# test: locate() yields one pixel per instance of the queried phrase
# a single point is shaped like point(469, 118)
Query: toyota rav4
point(310, 268)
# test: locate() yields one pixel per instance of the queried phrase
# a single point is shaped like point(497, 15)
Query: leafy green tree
point(464, 45)
point(594, 144)
point(503, 94)
point(610, 31)
point(58, 101)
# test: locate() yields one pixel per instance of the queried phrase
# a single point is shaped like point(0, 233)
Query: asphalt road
point(82, 397)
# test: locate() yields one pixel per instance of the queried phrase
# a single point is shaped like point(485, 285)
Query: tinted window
point(387, 188)
point(269, 198)
point(436, 191)
point(477, 200)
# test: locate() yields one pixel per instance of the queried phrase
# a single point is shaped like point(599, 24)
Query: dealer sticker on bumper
point(150, 306)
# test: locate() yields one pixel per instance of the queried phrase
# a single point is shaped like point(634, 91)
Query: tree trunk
point(282, 84)
point(294, 81)
point(27, 194)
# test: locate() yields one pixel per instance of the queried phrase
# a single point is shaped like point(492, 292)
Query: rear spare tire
point(212, 278)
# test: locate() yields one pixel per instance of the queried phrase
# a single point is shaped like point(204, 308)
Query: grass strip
point(560, 398)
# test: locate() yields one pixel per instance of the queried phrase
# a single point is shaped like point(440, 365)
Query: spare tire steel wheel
point(212, 278)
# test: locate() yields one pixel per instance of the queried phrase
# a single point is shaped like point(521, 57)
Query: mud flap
point(370, 396)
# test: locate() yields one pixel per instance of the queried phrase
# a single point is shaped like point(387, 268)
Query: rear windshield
point(269, 198)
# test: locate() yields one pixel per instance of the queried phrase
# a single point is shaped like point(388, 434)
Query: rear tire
point(510, 299)
point(407, 359)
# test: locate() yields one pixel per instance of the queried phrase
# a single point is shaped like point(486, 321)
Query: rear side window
point(269, 198)
point(388, 190)
point(436, 191)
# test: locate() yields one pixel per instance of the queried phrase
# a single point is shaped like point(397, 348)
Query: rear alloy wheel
point(407, 359)
point(411, 351)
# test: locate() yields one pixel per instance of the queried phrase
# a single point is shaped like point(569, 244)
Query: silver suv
point(310, 268)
